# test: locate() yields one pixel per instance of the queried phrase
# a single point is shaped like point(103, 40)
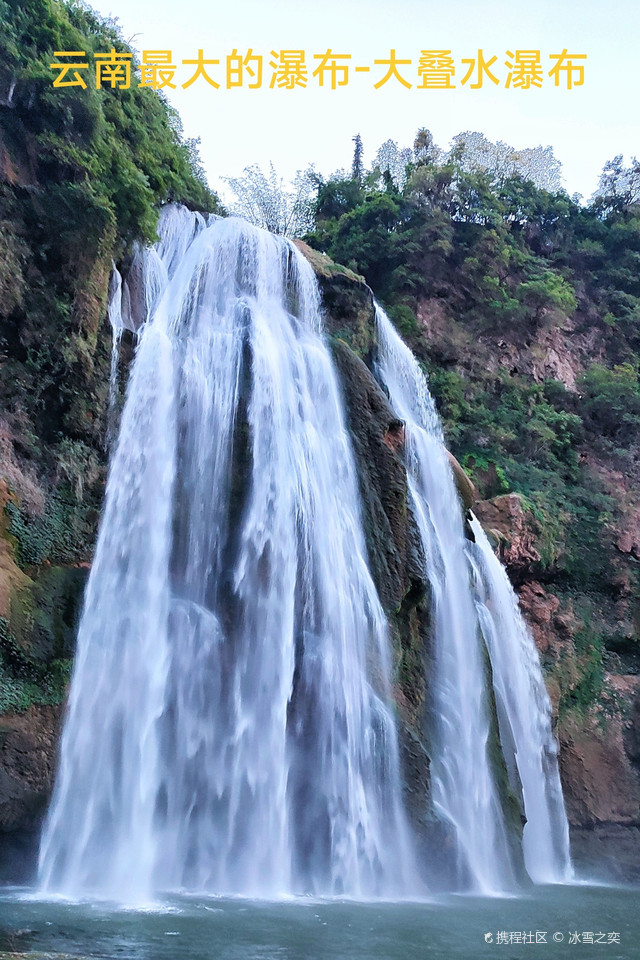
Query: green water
point(199, 928)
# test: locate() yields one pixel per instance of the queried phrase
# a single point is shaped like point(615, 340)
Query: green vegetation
point(113, 154)
point(21, 686)
point(83, 173)
point(38, 638)
point(486, 277)
point(611, 400)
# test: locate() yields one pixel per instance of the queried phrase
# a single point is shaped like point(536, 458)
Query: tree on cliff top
point(357, 167)
point(619, 186)
point(472, 151)
point(267, 201)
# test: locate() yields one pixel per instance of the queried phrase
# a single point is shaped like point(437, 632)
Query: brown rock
point(464, 485)
point(28, 752)
point(517, 531)
point(539, 608)
point(394, 436)
point(539, 605)
point(600, 786)
point(628, 541)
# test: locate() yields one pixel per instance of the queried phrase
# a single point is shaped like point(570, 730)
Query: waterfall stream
point(524, 715)
point(229, 726)
point(475, 616)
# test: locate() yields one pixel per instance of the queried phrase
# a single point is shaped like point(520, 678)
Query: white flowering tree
point(619, 186)
point(473, 151)
point(267, 201)
point(393, 159)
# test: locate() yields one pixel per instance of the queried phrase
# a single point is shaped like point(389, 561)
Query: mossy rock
point(348, 310)
point(324, 267)
point(464, 485)
point(44, 617)
point(37, 641)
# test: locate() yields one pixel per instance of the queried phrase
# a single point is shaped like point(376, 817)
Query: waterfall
point(229, 726)
point(462, 781)
point(474, 612)
point(524, 714)
point(114, 313)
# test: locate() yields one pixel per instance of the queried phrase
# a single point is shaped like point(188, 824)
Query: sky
point(586, 126)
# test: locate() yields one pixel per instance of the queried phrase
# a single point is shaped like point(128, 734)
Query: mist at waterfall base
point(230, 729)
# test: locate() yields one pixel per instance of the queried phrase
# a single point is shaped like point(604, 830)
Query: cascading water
point(465, 623)
point(524, 715)
point(115, 319)
point(228, 727)
point(462, 782)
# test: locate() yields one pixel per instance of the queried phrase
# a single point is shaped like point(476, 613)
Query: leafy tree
point(337, 197)
point(357, 167)
point(366, 239)
point(611, 399)
point(424, 148)
point(393, 160)
point(548, 292)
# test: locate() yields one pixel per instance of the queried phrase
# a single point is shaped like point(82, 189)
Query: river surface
point(586, 922)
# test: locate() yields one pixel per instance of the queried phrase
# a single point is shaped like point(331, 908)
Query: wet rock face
point(347, 302)
point(515, 531)
point(602, 793)
point(28, 747)
point(607, 852)
point(464, 485)
point(602, 787)
point(598, 733)
point(28, 756)
point(396, 563)
point(378, 442)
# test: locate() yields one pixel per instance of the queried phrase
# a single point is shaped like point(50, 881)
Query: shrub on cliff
point(611, 399)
